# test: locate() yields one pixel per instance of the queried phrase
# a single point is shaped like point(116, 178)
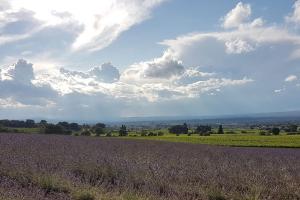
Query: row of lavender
point(152, 170)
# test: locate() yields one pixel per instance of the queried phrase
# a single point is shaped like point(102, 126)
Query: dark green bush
point(55, 129)
point(275, 131)
point(123, 131)
point(160, 133)
point(220, 130)
point(151, 134)
point(263, 133)
point(76, 134)
point(179, 129)
point(205, 134)
point(86, 133)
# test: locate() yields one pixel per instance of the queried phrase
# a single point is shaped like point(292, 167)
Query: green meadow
point(235, 140)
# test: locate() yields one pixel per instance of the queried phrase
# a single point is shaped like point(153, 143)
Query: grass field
point(241, 140)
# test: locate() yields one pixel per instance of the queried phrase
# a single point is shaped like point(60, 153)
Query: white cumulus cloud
point(295, 16)
point(237, 16)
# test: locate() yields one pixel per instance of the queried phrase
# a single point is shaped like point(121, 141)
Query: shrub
point(293, 133)
point(86, 133)
point(144, 133)
point(76, 134)
point(220, 130)
point(151, 134)
point(275, 131)
point(123, 131)
point(55, 129)
point(99, 131)
point(203, 129)
point(160, 133)
point(51, 184)
point(262, 133)
point(205, 134)
point(179, 129)
point(3, 129)
point(109, 134)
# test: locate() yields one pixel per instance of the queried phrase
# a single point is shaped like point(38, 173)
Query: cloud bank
point(248, 65)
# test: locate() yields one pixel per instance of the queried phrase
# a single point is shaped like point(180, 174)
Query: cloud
point(16, 25)
point(279, 90)
point(105, 73)
point(238, 46)
point(295, 16)
point(291, 78)
point(82, 95)
point(157, 80)
point(11, 103)
point(16, 86)
point(251, 48)
point(100, 22)
point(161, 69)
point(21, 72)
point(237, 68)
point(237, 16)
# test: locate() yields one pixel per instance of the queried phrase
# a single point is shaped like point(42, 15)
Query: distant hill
point(255, 118)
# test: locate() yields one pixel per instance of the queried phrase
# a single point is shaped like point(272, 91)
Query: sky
point(94, 60)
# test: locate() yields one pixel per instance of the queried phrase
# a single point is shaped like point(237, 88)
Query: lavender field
point(85, 168)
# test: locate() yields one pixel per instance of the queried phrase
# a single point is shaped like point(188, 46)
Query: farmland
point(38, 166)
point(235, 140)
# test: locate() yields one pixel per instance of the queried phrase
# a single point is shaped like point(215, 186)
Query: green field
point(232, 137)
point(237, 140)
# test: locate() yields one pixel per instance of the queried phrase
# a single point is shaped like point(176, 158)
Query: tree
point(54, 129)
point(65, 125)
point(185, 129)
point(203, 130)
point(86, 133)
point(179, 129)
point(291, 128)
point(100, 125)
point(220, 130)
point(43, 122)
point(275, 131)
point(74, 127)
point(29, 123)
point(123, 131)
point(99, 129)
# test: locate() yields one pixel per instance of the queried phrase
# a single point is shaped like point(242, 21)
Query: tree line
point(202, 130)
point(60, 128)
